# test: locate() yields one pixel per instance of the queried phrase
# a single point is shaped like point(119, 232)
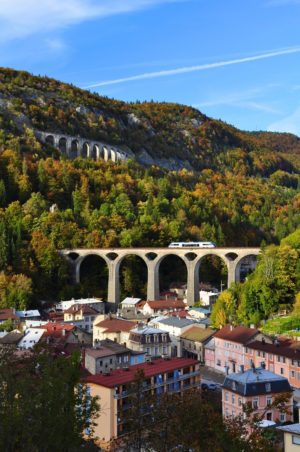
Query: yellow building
point(161, 375)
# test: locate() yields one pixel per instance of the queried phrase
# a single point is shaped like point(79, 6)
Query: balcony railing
point(162, 383)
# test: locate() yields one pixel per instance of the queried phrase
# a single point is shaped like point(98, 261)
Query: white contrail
point(202, 67)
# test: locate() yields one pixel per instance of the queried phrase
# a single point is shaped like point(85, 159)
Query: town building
point(281, 356)
point(291, 437)
point(108, 355)
point(32, 314)
point(259, 388)
point(63, 338)
point(199, 313)
point(161, 307)
point(209, 353)
point(161, 375)
point(95, 303)
point(113, 328)
point(208, 297)
point(175, 327)
point(81, 315)
point(152, 341)
point(11, 339)
point(230, 344)
point(9, 314)
point(193, 340)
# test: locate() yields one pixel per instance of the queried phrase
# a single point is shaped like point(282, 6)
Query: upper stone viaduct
point(192, 257)
point(73, 147)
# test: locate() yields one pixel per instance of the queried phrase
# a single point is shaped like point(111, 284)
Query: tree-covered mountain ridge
point(166, 134)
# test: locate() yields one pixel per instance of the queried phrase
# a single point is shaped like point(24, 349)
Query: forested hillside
point(244, 189)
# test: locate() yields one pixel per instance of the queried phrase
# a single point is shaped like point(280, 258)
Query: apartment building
point(258, 387)
point(114, 390)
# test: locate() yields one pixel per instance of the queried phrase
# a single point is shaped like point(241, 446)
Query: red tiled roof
point(180, 314)
point(54, 326)
point(167, 304)
point(240, 334)
point(285, 347)
point(121, 376)
point(6, 314)
point(116, 325)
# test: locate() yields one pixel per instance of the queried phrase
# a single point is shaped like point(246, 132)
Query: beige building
point(193, 341)
point(152, 341)
point(291, 437)
point(161, 375)
point(115, 329)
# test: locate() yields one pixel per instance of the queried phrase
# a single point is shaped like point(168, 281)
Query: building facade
point(259, 388)
point(161, 376)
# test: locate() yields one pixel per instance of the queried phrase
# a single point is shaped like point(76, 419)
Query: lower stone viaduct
point(234, 259)
point(73, 147)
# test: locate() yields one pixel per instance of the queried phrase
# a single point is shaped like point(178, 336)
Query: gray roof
point(254, 381)
point(106, 348)
point(177, 322)
point(293, 428)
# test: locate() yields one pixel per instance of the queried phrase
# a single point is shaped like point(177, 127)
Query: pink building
point(230, 343)
point(281, 357)
point(259, 387)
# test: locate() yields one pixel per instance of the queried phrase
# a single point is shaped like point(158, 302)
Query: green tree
point(46, 392)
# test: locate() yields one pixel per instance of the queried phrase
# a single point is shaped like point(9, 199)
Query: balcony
point(163, 383)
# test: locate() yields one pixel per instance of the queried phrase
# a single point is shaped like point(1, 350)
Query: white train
point(192, 245)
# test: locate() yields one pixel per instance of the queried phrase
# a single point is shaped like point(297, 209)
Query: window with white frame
point(226, 396)
point(269, 401)
point(282, 417)
point(255, 404)
point(268, 387)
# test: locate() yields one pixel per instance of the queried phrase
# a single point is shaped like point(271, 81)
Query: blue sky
point(235, 60)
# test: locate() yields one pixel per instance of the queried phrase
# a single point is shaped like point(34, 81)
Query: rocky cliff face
point(169, 135)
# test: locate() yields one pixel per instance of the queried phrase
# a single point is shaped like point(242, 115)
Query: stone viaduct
point(234, 259)
point(74, 147)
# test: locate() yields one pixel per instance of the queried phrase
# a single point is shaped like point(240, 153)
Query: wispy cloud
point(250, 99)
point(290, 123)
point(22, 18)
point(202, 67)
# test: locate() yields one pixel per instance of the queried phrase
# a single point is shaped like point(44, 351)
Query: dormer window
point(234, 386)
point(268, 387)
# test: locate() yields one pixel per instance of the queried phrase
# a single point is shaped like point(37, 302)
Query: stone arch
point(213, 273)
point(62, 145)
point(106, 153)
point(244, 266)
point(112, 256)
point(190, 256)
point(179, 270)
point(231, 256)
point(94, 151)
point(151, 256)
point(92, 272)
point(50, 140)
point(85, 150)
point(72, 256)
point(74, 151)
point(113, 155)
point(126, 267)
